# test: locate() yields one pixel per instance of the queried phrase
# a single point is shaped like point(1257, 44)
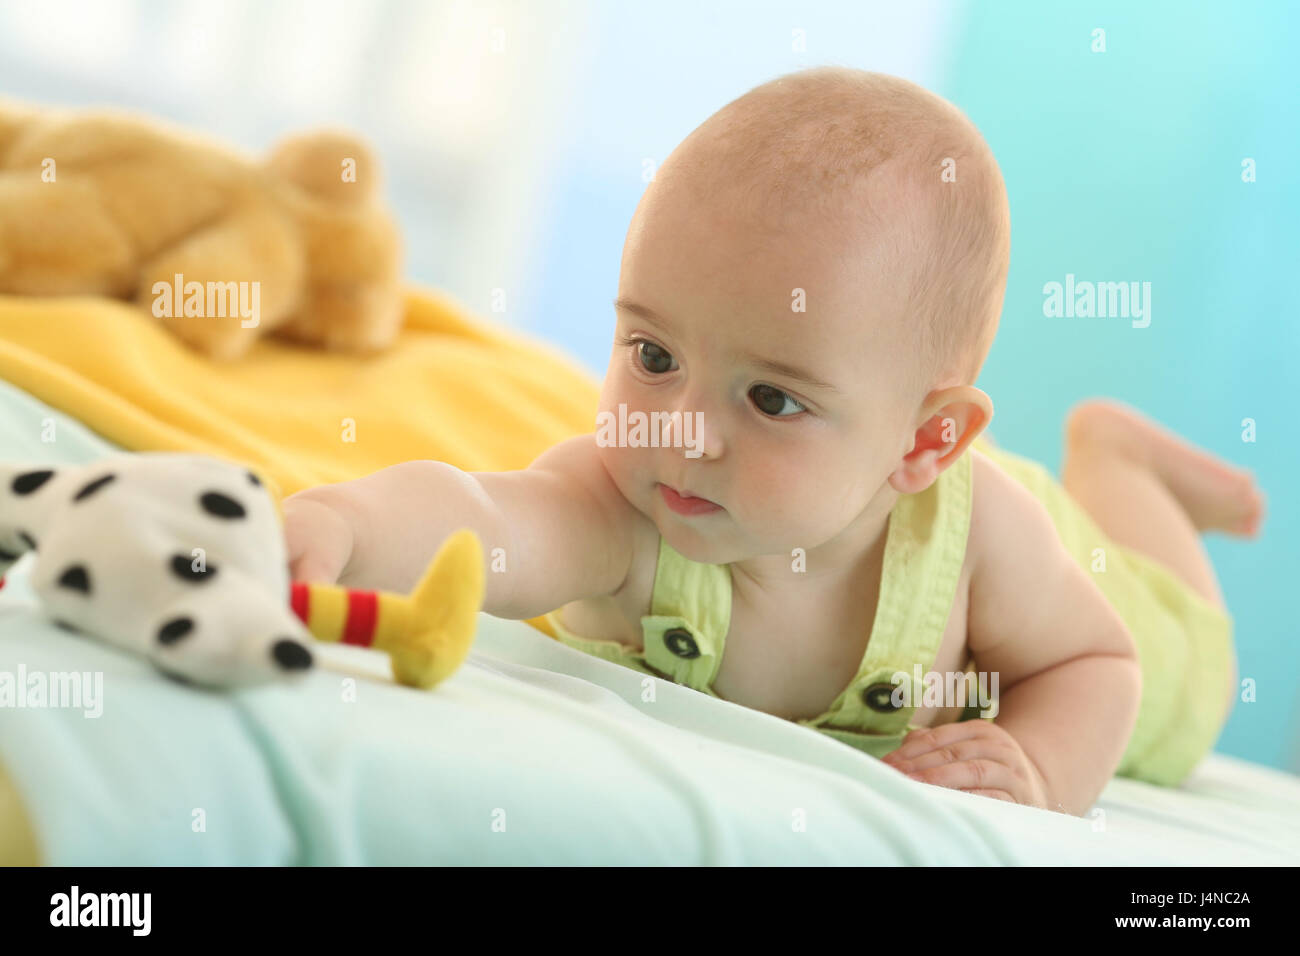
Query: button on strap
point(686, 657)
point(678, 640)
point(880, 698)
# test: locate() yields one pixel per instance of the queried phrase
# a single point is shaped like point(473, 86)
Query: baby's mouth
point(687, 504)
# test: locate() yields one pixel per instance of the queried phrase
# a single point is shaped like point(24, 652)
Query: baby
point(813, 279)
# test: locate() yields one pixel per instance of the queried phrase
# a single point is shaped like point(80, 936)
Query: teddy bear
point(219, 248)
point(181, 558)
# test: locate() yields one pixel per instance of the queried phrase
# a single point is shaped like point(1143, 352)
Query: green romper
point(1183, 641)
point(690, 612)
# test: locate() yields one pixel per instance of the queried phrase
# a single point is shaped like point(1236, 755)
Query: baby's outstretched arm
point(563, 528)
point(1068, 673)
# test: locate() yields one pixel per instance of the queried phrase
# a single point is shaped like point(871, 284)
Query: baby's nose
point(697, 434)
point(696, 425)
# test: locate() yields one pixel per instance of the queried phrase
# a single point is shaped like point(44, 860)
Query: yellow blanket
point(453, 388)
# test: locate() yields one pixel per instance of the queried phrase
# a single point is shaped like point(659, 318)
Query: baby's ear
point(951, 419)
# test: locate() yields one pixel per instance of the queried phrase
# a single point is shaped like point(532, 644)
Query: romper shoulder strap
point(690, 612)
point(924, 553)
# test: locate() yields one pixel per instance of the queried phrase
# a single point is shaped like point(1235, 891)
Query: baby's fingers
point(317, 539)
point(973, 775)
point(317, 568)
point(972, 748)
point(995, 794)
point(925, 739)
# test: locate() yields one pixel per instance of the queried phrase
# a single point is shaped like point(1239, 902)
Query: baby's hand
point(976, 756)
point(318, 538)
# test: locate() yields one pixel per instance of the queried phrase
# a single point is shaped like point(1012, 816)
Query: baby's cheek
point(631, 471)
point(783, 496)
point(616, 462)
point(820, 501)
point(621, 388)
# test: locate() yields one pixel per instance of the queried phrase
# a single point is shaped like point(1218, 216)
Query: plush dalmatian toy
point(182, 558)
point(178, 557)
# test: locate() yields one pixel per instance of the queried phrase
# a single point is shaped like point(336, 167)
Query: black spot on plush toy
point(181, 558)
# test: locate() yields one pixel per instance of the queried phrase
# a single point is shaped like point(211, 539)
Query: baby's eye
point(654, 359)
point(773, 401)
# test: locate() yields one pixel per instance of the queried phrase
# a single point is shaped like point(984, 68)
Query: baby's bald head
point(872, 167)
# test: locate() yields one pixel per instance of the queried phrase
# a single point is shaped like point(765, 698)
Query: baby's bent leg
point(1151, 491)
point(1215, 495)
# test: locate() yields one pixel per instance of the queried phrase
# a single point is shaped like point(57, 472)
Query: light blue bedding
point(532, 753)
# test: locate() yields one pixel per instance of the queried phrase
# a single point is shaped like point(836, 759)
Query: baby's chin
point(704, 539)
point(702, 549)
point(713, 539)
point(696, 547)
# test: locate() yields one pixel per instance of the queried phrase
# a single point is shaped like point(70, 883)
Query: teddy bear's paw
point(348, 317)
point(223, 286)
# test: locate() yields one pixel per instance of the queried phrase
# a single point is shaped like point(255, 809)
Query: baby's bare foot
point(1216, 495)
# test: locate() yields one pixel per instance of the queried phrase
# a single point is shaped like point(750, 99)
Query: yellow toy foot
point(427, 633)
point(443, 614)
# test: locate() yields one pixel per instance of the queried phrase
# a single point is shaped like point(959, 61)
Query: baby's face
point(803, 414)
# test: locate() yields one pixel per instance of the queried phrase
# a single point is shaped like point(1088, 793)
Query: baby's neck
point(856, 551)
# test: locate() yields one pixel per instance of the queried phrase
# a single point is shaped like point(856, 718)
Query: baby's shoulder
point(637, 535)
point(617, 615)
point(638, 587)
point(992, 502)
point(1008, 523)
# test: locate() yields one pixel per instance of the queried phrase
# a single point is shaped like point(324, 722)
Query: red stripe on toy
point(363, 611)
point(300, 600)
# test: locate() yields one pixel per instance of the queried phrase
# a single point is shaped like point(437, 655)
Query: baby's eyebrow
point(645, 312)
point(789, 371)
point(780, 368)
